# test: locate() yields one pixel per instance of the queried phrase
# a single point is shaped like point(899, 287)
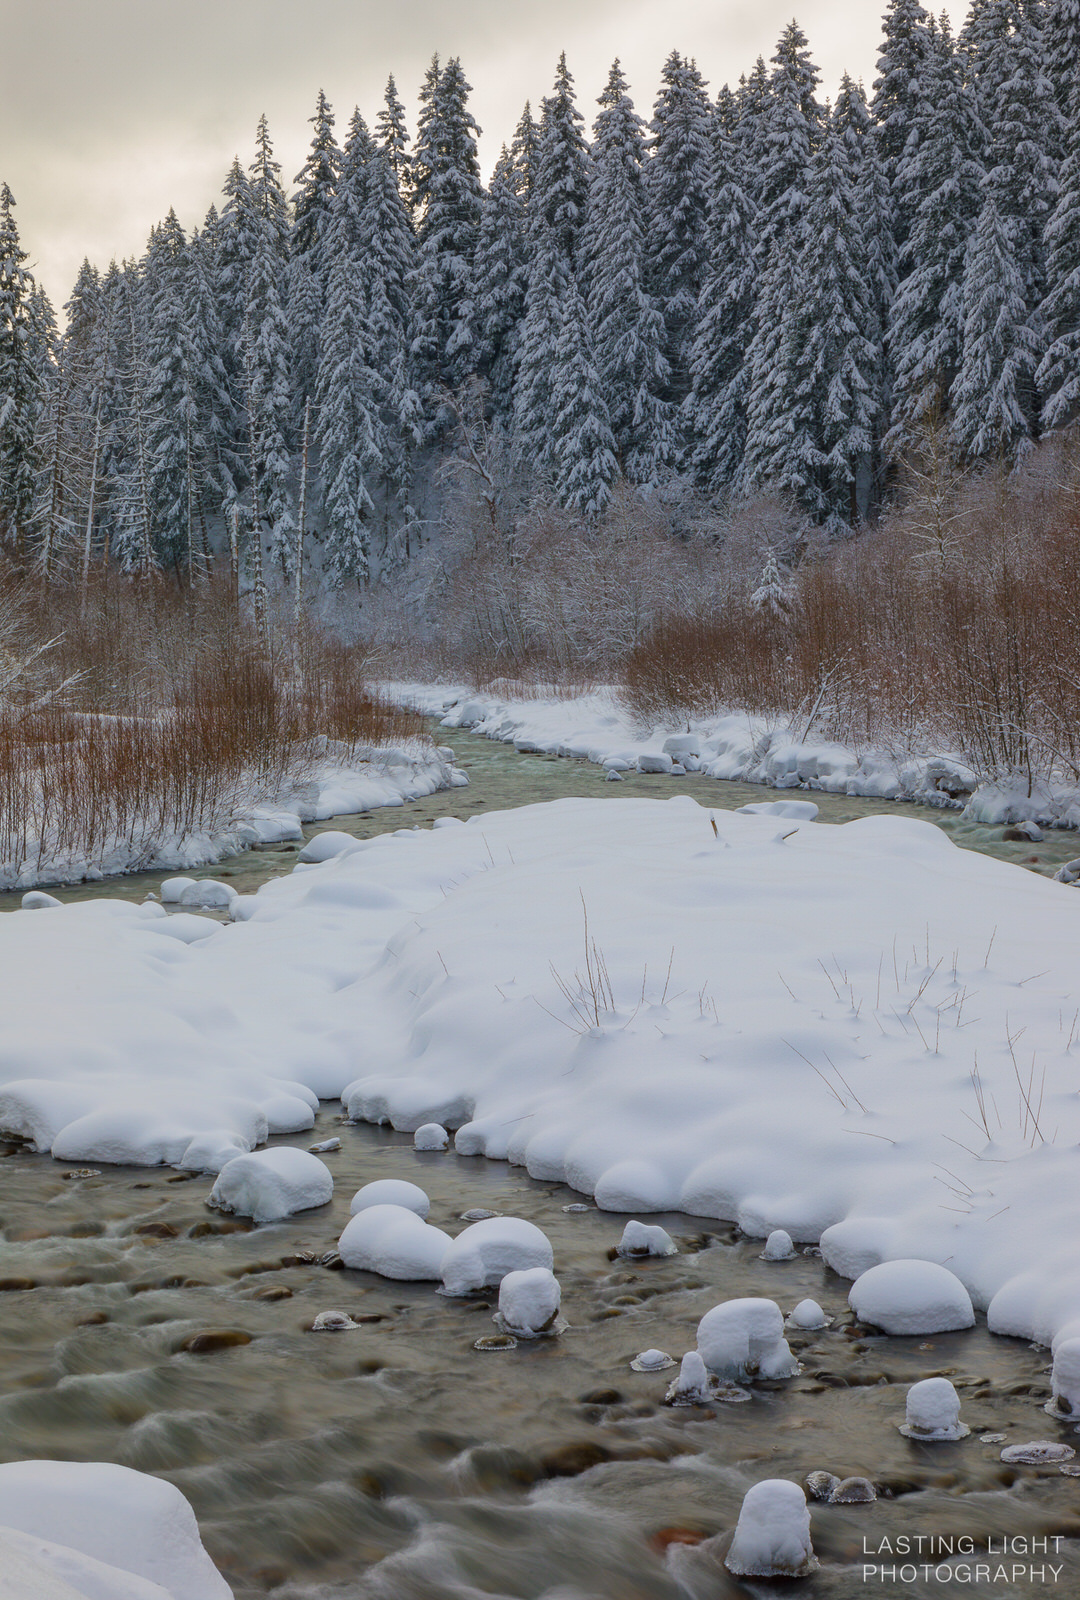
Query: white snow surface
point(40, 1569)
point(118, 1518)
point(911, 1297)
point(337, 785)
point(857, 973)
point(270, 1184)
point(772, 1536)
point(394, 1242)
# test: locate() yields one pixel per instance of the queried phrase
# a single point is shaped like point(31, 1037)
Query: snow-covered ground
point(597, 727)
point(334, 788)
point(860, 1033)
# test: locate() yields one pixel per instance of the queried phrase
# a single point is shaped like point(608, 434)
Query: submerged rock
point(1037, 1453)
point(333, 1322)
point(652, 1361)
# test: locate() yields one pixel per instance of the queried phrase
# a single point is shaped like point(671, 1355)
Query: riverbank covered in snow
point(856, 1033)
point(597, 727)
point(335, 785)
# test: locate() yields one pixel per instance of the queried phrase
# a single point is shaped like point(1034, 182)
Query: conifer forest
point(740, 293)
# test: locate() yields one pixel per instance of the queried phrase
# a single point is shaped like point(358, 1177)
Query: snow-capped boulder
point(38, 900)
point(173, 888)
point(693, 1386)
point(772, 1536)
point(641, 1239)
point(208, 894)
point(681, 745)
point(654, 762)
point(1065, 1380)
point(486, 1251)
point(795, 810)
point(431, 1136)
point(327, 846)
point(807, 1317)
point(394, 1242)
point(270, 1184)
point(745, 1339)
point(115, 1516)
point(391, 1192)
point(907, 1297)
point(529, 1303)
point(778, 1247)
point(933, 1411)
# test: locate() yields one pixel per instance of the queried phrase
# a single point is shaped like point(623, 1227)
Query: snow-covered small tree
point(772, 596)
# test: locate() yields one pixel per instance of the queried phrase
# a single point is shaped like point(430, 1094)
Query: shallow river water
point(396, 1462)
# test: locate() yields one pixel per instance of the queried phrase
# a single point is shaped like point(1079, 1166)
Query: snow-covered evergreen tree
point(171, 412)
point(449, 203)
point(1058, 377)
point(992, 393)
point(266, 351)
point(501, 279)
point(523, 153)
point(790, 133)
point(536, 378)
point(942, 174)
point(20, 383)
point(559, 196)
point(316, 181)
point(715, 408)
point(628, 325)
point(1062, 28)
point(584, 451)
point(898, 103)
point(678, 177)
point(392, 137)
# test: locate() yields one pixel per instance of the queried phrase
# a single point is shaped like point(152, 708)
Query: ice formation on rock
point(652, 1361)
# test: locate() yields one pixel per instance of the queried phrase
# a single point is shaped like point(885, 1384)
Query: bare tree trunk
point(301, 520)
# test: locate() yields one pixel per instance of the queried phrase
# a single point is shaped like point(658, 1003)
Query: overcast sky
point(113, 110)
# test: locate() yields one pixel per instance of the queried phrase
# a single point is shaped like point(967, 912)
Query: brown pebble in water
point(568, 1460)
point(665, 1537)
point(301, 1258)
point(94, 1320)
point(157, 1230)
point(601, 1397)
point(11, 1285)
point(275, 1291)
point(370, 1316)
point(212, 1339)
point(253, 1268)
point(184, 1177)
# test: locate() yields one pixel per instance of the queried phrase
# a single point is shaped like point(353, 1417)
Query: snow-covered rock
point(807, 1317)
point(173, 888)
point(772, 1536)
point(778, 1247)
point(38, 900)
point(485, 1252)
point(795, 810)
point(1065, 1380)
point(394, 1242)
point(693, 1385)
point(431, 1136)
point(325, 846)
point(652, 1361)
point(117, 1517)
point(643, 1239)
point(745, 1339)
point(906, 1297)
point(654, 761)
point(933, 1411)
point(529, 1302)
point(391, 1192)
point(270, 1184)
point(209, 894)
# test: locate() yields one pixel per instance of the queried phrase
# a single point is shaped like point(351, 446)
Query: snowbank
point(111, 1517)
point(846, 1006)
point(597, 727)
point(374, 778)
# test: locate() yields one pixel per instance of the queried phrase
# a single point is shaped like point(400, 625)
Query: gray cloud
point(115, 110)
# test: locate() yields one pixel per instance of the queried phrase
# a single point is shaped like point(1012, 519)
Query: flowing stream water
point(396, 1461)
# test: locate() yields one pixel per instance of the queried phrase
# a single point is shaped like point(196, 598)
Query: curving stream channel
point(396, 1462)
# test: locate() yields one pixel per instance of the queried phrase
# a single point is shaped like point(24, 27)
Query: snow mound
point(745, 1339)
point(778, 1247)
point(38, 1569)
point(431, 1136)
point(38, 900)
point(394, 1242)
point(807, 1317)
point(796, 810)
point(270, 1184)
point(116, 1516)
point(485, 1252)
point(640, 1239)
point(529, 1303)
point(173, 888)
point(327, 846)
point(906, 1297)
point(933, 1411)
point(772, 1535)
point(209, 894)
point(391, 1192)
point(693, 1386)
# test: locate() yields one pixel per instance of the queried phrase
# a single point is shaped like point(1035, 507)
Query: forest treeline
point(753, 292)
